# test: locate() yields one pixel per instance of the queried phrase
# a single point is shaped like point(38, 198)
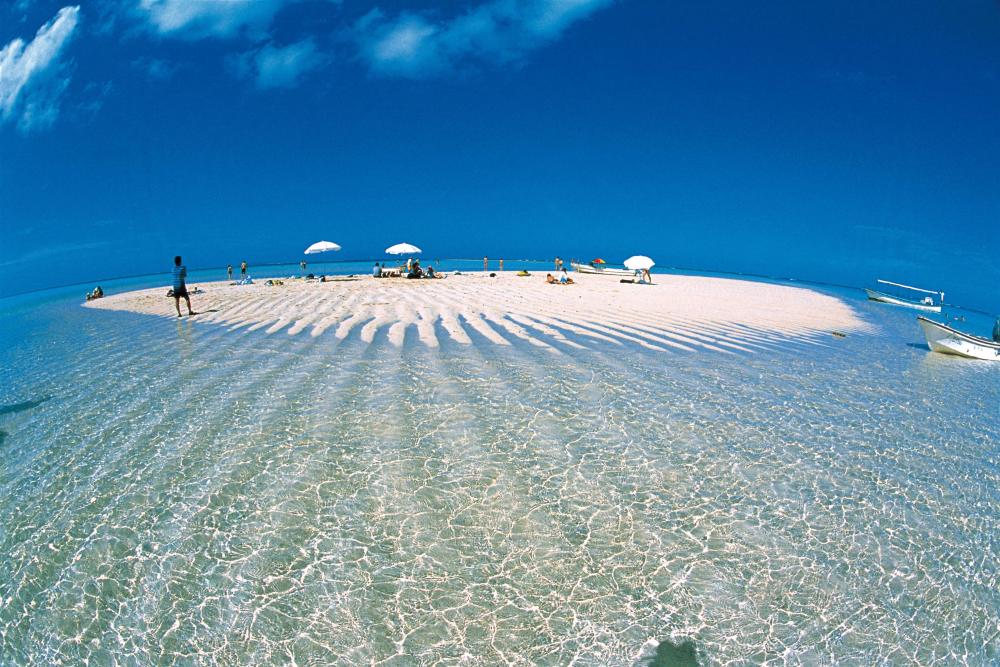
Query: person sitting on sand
point(430, 272)
point(550, 279)
point(564, 278)
point(180, 286)
point(377, 270)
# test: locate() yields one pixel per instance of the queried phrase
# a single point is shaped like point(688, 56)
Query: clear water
point(180, 493)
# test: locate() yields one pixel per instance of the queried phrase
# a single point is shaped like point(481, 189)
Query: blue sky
point(825, 141)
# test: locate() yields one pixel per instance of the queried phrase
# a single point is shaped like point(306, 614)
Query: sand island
point(677, 313)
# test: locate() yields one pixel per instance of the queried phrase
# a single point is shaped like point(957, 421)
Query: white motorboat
point(944, 339)
point(601, 270)
point(926, 303)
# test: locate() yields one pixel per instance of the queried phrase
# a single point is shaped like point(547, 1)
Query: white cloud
point(31, 84)
point(94, 96)
point(281, 66)
point(496, 31)
point(195, 19)
point(408, 45)
point(156, 68)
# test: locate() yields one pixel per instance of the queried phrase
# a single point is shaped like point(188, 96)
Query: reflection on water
point(197, 495)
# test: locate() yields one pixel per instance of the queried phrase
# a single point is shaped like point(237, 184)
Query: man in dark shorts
point(180, 286)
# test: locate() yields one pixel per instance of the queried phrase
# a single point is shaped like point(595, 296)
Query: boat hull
point(896, 301)
point(942, 338)
point(586, 268)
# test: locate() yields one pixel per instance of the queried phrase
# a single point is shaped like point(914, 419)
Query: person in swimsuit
point(180, 286)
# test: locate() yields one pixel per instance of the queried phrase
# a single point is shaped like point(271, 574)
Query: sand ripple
point(678, 314)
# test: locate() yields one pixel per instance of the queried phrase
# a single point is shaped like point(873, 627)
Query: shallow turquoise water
point(180, 493)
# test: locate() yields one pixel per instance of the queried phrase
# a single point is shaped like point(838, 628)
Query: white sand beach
point(678, 313)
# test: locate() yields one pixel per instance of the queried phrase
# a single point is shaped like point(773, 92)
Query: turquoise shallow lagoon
point(179, 493)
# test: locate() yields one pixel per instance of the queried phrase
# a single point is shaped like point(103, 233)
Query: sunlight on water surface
point(180, 493)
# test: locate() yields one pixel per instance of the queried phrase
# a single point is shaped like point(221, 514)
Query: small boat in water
point(926, 303)
point(601, 269)
point(942, 338)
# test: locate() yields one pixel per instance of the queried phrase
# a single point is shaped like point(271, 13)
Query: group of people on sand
point(96, 293)
point(243, 273)
point(563, 278)
point(642, 277)
point(413, 270)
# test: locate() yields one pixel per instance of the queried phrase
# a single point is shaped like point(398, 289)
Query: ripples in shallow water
point(197, 495)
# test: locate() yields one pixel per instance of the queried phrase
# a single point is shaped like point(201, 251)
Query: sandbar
point(676, 314)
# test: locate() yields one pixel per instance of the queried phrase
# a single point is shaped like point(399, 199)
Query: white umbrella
point(639, 263)
point(321, 246)
point(403, 249)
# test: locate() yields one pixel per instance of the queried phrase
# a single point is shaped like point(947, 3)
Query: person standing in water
point(302, 265)
point(996, 331)
point(486, 264)
point(229, 272)
point(243, 269)
point(501, 263)
point(558, 264)
point(180, 286)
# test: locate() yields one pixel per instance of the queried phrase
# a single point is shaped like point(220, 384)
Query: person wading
point(180, 286)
